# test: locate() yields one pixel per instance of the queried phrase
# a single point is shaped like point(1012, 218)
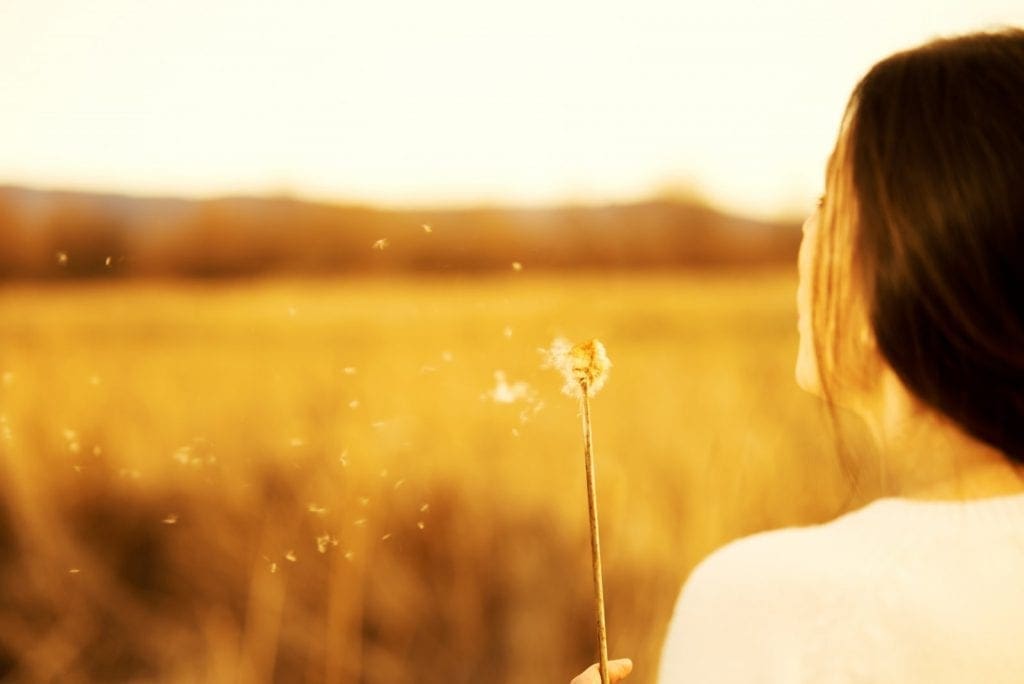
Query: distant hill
point(47, 234)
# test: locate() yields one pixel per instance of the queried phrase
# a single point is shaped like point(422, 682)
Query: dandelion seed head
point(583, 366)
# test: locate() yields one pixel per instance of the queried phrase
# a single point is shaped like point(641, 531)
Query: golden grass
point(176, 457)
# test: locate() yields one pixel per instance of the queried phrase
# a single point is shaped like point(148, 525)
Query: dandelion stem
point(595, 537)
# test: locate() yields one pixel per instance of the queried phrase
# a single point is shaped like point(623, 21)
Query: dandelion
point(381, 245)
point(585, 369)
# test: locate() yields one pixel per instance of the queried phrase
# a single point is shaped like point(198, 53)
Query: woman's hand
point(617, 671)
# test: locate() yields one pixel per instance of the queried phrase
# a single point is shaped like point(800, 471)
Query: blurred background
point(274, 283)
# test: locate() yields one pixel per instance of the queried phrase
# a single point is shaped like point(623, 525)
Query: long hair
point(923, 226)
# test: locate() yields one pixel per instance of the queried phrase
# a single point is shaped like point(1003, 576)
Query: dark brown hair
point(926, 189)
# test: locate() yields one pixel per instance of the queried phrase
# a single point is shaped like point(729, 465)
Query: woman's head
point(915, 260)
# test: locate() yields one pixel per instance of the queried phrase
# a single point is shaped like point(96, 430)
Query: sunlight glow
point(408, 103)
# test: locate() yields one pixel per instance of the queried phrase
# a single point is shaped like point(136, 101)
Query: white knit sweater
point(898, 591)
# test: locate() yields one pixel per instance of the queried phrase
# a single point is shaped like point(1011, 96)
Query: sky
point(448, 102)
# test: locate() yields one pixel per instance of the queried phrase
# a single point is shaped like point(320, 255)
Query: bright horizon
point(407, 105)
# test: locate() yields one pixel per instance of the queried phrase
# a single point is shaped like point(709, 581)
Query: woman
point(911, 313)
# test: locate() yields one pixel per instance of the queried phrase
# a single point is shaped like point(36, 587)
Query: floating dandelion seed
point(324, 541)
point(8, 378)
point(504, 392)
point(386, 537)
point(273, 568)
point(384, 472)
point(427, 228)
point(290, 556)
point(315, 509)
point(360, 522)
point(399, 482)
point(296, 441)
point(62, 258)
point(420, 524)
point(349, 370)
point(381, 245)
point(343, 458)
point(171, 519)
point(515, 432)
point(107, 262)
point(516, 266)
point(349, 555)
point(97, 450)
point(585, 368)
point(354, 404)
point(73, 571)
point(424, 508)
point(94, 380)
point(447, 356)
point(363, 501)
point(507, 332)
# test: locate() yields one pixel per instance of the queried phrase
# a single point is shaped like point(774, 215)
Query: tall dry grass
point(313, 481)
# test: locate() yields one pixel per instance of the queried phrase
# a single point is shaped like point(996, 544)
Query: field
point(374, 480)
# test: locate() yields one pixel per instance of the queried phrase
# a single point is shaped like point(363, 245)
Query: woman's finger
point(617, 671)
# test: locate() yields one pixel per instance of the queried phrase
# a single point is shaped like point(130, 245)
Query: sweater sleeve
point(756, 611)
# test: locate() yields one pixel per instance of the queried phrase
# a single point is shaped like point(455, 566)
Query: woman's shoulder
point(779, 605)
